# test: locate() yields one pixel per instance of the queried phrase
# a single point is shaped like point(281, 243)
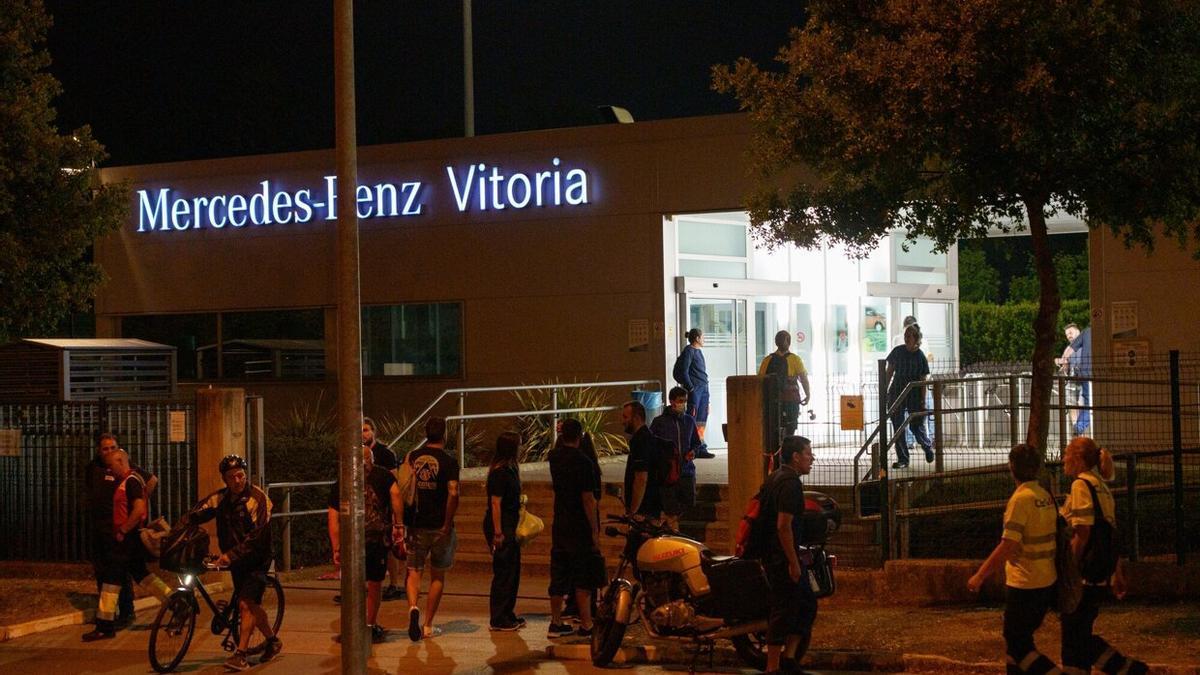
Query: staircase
point(855, 543)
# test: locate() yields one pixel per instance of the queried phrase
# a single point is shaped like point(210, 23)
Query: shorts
point(250, 579)
point(575, 571)
point(793, 605)
point(678, 497)
point(377, 561)
point(431, 544)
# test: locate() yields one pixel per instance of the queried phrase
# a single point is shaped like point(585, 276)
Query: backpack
point(679, 371)
point(744, 541)
point(669, 461)
point(1099, 559)
point(778, 365)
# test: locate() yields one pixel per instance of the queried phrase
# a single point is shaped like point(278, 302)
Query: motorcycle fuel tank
point(677, 555)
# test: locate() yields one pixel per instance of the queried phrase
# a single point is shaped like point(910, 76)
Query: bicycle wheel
point(272, 604)
point(172, 631)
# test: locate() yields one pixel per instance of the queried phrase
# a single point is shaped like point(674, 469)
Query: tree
point(52, 205)
point(947, 117)
point(978, 281)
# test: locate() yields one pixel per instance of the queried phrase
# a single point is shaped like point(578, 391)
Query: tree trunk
point(1043, 327)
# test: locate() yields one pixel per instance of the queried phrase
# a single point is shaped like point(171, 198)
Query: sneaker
point(237, 662)
point(899, 465)
point(378, 634)
point(271, 649)
point(414, 624)
point(520, 620)
point(431, 632)
point(504, 627)
point(704, 454)
point(99, 634)
point(583, 632)
point(557, 630)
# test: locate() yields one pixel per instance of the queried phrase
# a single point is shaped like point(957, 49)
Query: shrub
point(537, 431)
point(1004, 333)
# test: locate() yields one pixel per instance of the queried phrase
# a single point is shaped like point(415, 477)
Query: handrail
point(287, 514)
point(463, 391)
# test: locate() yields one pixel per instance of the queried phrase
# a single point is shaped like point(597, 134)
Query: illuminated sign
point(474, 187)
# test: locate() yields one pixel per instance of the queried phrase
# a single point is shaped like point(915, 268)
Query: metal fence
point(42, 490)
point(1147, 413)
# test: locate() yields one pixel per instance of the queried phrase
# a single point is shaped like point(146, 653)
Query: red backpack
point(746, 527)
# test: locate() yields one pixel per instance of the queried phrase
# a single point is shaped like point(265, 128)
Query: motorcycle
point(679, 590)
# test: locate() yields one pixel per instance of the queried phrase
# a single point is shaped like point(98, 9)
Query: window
point(413, 339)
point(712, 245)
point(269, 345)
point(186, 332)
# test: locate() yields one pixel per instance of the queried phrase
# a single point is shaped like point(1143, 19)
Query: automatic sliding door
point(723, 322)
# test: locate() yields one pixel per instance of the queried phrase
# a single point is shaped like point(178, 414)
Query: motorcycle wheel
point(751, 649)
point(607, 632)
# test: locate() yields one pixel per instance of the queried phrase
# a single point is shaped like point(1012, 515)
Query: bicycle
point(173, 628)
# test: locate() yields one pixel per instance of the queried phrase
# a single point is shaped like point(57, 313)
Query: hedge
point(1004, 333)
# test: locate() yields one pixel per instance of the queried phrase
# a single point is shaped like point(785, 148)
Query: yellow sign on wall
point(852, 413)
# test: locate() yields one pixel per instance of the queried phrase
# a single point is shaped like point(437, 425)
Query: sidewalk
point(848, 635)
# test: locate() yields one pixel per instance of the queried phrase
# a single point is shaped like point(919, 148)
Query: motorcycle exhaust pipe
point(734, 631)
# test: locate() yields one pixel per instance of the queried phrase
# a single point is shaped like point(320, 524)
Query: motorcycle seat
point(710, 557)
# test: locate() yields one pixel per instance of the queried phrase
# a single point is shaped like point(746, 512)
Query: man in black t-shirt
point(383, 457)
point(381, 522)
point(906, 364)
point(431, 524)
point(793, 604)
point(643, 488)
point(576, 565)
point(100, 485)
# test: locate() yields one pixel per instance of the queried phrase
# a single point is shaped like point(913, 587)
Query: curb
point(78, 617)
point(824, 659)
point(932, 663)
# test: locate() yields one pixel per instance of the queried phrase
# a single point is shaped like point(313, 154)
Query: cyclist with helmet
point(243, 515)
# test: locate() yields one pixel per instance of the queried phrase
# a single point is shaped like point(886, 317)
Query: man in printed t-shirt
point(431, 524)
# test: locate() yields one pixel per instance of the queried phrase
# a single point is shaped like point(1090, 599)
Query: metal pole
point(462, 430)
point(554, 407)
point(1177, 447)
point(1132, 497)
point(1014, 411)
point(355, 644)
point(885, 520)
point(260, 439)
point(1062, 415)
point(938, 443)
point(468, 73)
point(287, 530)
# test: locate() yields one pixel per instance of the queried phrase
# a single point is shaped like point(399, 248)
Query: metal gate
point(42, 493)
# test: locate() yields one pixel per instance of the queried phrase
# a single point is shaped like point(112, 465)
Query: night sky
point(166, 81)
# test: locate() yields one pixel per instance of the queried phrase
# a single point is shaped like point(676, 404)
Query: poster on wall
point(852, 413)
point(1124, 320)
point(177, 421)
point(639, 335)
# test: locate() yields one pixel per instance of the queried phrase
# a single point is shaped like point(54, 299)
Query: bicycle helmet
point(232, 462)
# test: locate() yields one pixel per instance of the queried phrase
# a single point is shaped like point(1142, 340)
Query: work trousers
point(1024, 610)
point(1082, 649)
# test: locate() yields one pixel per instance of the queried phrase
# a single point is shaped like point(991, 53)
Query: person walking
point(100, 484)
point(381, 526)
point(678, 427)
point(774, 541)
point(692, 374)
point(1026, 550)
point(243, 515)
point(500, 531)
point(126, 557)
point(431, 525)
point(1088, 503)
point(382, 456)
point(794, 377)
point(906, 364)
point(576, 565)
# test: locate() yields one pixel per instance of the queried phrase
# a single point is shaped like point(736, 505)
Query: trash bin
point(652, 401)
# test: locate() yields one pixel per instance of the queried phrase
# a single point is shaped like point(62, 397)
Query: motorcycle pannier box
point(739, 589)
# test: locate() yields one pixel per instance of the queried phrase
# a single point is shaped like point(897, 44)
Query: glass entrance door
point(937, 323)
point(723, 322)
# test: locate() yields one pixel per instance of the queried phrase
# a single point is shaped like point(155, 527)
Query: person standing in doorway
point(906, 364)
point(790, 368)
point(383, 457)
point(500, 530)
point(1026, 550)
point(692, 374)
point(431, 519)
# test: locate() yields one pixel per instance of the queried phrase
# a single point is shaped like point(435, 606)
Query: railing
point(287, 514)
point(462, 417)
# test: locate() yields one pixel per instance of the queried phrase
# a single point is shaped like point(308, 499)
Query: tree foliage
point(52, 206)
point(978, 281)
point(994, 333)
point(949, 117)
